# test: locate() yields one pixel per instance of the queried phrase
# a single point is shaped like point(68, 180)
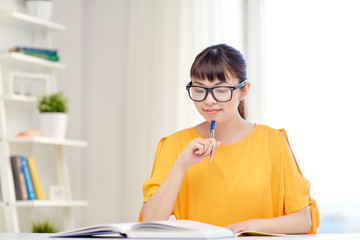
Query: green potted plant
point(43, 227)
point(53, 115)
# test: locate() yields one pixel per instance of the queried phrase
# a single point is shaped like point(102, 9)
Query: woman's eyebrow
point(216, 84)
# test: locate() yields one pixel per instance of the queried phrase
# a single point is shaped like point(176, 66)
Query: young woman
point(252, 182)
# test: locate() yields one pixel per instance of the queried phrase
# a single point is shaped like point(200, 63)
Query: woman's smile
point(212, 111)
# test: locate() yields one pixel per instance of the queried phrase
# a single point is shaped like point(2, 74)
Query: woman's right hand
point(197, 150)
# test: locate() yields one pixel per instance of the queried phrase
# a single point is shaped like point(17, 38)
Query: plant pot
point(53, 125)
point(40, 9)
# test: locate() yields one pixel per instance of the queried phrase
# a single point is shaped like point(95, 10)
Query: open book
point(157, 229)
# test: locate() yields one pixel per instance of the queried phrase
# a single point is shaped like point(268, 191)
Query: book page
point(178, 229)
point(115, 228)
point(253, 233)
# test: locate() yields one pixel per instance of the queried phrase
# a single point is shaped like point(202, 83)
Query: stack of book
point(48, 54)
point(26, 179)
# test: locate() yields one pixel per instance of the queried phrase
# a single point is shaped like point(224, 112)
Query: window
point(312, 87)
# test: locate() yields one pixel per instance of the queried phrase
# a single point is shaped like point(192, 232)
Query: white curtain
point(313, 91)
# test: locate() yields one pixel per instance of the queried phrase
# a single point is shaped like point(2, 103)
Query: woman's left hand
point(249, 225)
point(292, 223)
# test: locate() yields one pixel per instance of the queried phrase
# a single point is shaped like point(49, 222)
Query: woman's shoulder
point(269, 132)
point(274, 138)
point(266, 128)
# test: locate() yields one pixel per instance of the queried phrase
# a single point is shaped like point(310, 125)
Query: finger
point(199, 152)
point(207, 146)
point(202, 145)
point(198, 148)
point(217, 145)
point(231, 227)
point(214, 145)
point(212, 142)
point(204, 149)
point(207, 149)
point(236, 229)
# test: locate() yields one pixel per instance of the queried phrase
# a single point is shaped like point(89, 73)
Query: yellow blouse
point(253, 178)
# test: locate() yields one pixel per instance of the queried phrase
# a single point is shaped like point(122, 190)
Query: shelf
point(48, 203)
point(26, 18)
point(46, 140)
point(13, 56)
point(23, 99)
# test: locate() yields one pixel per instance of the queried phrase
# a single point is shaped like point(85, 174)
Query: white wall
point(105, 44)
point(94, 48)
point(70, 81)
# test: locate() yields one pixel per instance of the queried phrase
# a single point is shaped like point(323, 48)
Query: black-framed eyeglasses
point(220, 94)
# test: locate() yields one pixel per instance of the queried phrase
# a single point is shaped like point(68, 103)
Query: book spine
point(16, 176)
point(39, 192)
point(37, 50)
point(22, 184)
point(28, 181)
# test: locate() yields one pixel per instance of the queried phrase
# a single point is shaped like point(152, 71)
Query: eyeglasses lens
point(221, 94)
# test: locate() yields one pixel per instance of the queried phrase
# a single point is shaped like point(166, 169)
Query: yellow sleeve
point(296, 187)
point(164, 159)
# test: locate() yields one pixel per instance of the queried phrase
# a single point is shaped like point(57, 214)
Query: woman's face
point(213, 110)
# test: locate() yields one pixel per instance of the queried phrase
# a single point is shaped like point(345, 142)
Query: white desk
point(43, 236)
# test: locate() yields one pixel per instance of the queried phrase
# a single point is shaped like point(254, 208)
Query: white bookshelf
point(20, 99)
point(17, 58)
point(28, 20)
point(51, 141)
point(48, 203)
point(12, 61)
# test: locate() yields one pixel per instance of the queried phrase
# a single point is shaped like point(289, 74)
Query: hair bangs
point(209, 67)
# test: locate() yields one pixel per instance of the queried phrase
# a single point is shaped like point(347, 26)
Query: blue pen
point(212, 135)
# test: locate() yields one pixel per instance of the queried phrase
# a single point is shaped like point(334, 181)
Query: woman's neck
point(228, 132)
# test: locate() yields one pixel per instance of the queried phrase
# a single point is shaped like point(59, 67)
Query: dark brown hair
point(217, 62)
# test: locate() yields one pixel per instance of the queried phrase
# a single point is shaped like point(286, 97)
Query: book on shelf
point(29, 133)
point(39, 192)
point(158, 230)
point(48, 54)
point(19, 178)
point(28, 180)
